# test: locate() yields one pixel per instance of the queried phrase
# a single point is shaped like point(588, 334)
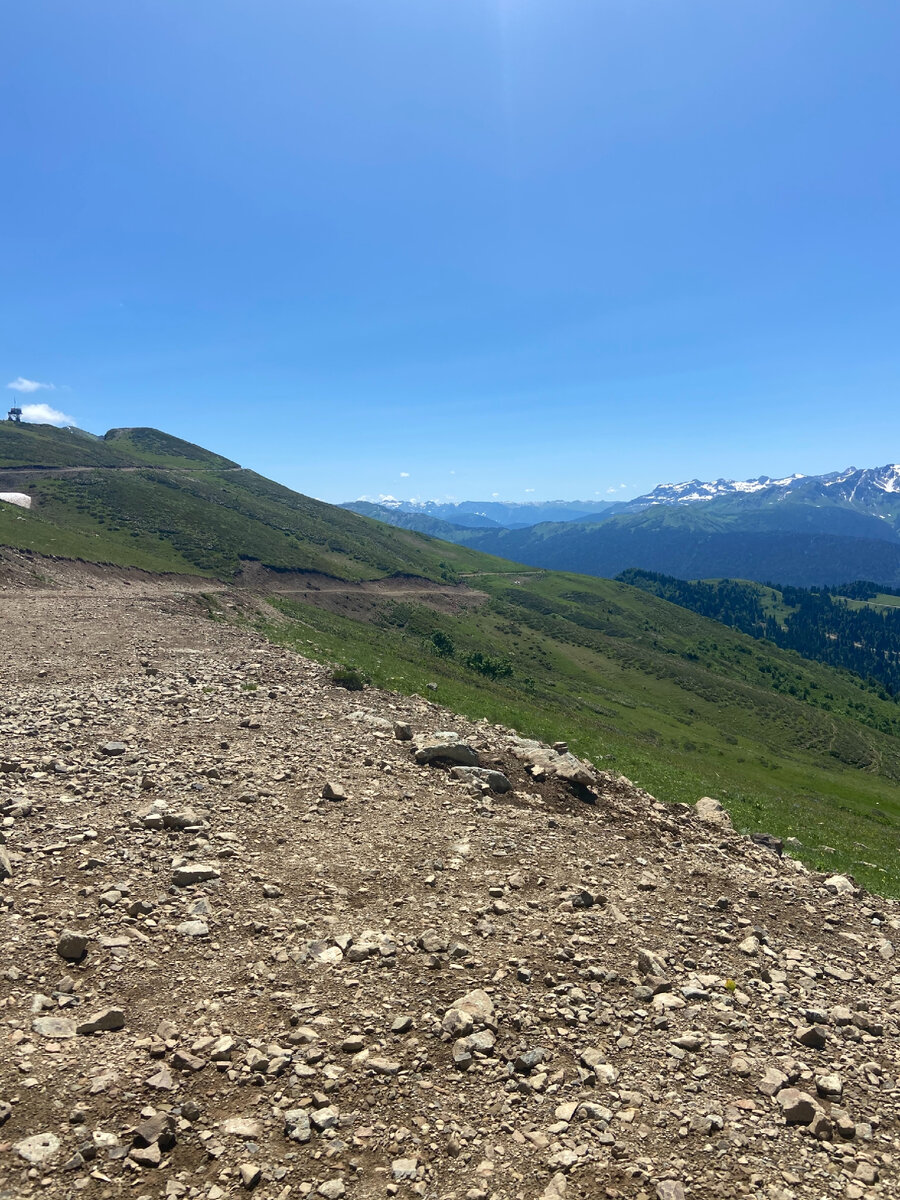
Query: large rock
point(477, 1005)
point(711, 812)
point(54, 1027)
point(72, 945)
point(562, 764)
point(5, 865)
point(38, 1149)
point(105, 1020)
point(445, 747)
point(839, 885)
point(797, 1108)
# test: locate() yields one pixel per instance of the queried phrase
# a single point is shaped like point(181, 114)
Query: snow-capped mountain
point(865, 488)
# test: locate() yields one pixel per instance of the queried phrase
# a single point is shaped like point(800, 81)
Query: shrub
point(443, 644)
point(348, 677)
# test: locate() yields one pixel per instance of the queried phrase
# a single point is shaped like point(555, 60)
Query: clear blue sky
point(460, 247)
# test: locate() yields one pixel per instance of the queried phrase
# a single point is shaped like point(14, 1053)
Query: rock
point(650, 963)
point(334, 791)
point(444, 747)
point(711, 812)
point(160, 1128)
point(250, 1173)
point(72, 945)
point(146, 1156)
point(815, 1037)
point(193, 929)
point(105, 1020)
point(5, 865)
point(384, 1066)
point(798, 1108)
point(478, 1005)
point(404, 1168)
point(332, 1189)
point(769, 842)
point(324, 1118)
point(39, 1148)
point(54, 1027)
point(839, 885)
point(402, 731)
point(495, 780)
point(162, 1081)
point(242, 1127)
point(113, 749)
point(669, 1189)
point(190, 873)
point(830, 1087)
point(296, 1125)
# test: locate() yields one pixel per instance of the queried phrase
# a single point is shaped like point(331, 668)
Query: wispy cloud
point(529, 489)
point(30, 385)
point(43, 414)
point(404, 474)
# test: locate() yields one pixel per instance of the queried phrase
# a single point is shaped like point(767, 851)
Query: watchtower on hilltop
point(14, 414)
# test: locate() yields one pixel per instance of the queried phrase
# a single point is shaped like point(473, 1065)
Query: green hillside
point(26, 445)
point(676, 701)
point(201, 516)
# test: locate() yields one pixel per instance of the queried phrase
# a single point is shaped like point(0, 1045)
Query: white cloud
point(610, 491)
point(529, 489)
point(495, 494)
point(623, 485)
point(30, 385)
point(43, 414)
point(404, 474)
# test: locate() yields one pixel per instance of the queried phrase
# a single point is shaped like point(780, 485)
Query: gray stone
point(72, 945)
point(242, 1127)
point(39, 1148)
point(113, 749)
point(404, 1168)
point(190, 873)
point(798, 1108)
point(669, 1189)
point(495, 780)
point(711, 812)
point(839, 885)
point(296, 1125)
point(192, 929)
point(54, 1027)
point(445, 747)
point(105, 1020)
point(332, 1189)
point(5, 865)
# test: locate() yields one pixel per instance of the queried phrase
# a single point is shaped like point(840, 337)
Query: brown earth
point(422, 988)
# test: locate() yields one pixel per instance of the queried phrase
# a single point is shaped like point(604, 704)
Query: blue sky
point(532, 248)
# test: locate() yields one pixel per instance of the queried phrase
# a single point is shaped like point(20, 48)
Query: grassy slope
point(682, 704)
point(203, 517)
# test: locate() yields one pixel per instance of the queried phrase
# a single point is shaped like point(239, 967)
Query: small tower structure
point(14, 414)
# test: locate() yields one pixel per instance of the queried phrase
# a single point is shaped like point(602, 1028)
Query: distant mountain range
point(806, 530)
point(488, 514)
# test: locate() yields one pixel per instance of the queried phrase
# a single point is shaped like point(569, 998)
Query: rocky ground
point(262, 934)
